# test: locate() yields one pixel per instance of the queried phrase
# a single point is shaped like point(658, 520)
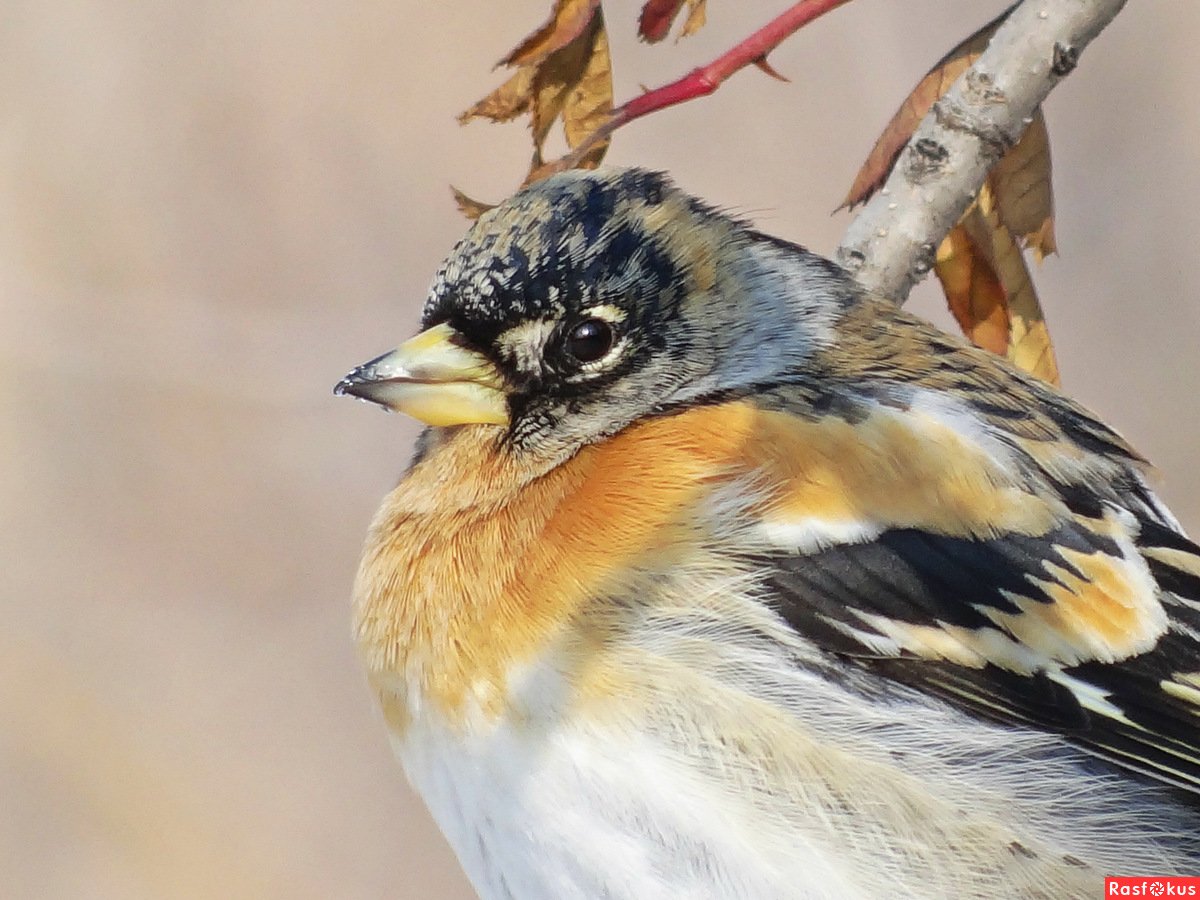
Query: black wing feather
point(920, 578)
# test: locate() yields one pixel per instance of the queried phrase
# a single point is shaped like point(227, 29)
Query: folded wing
point(1034, 580)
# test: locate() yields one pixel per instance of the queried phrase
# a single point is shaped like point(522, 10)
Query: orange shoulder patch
point(893, 471)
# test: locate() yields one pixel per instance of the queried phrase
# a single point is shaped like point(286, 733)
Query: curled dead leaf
point(590, 101)
point(657, 16)
point(1021, 185)
point(468, 206)
point(696, 17)
point(979, 263)
point(988, 289)
point(574, 84)
point(567, 20)
point(506, 102)
point(1029, 344)
point(564, 74)
point(973, 290)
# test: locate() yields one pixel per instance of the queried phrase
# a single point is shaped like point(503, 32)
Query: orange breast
point(478, 561)
point(473, 566)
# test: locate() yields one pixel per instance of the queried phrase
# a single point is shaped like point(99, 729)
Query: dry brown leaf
point(1021, 185)
point(973, 290)
point(506, 102)
point(988, 288)
point(574, 83)
point(590, 101)
point(696, 17)
point(468, 206)
point(1029, 344)
point(657, 16)
point(980, 264)
point(1021, 180)
point(567, 21)
point(571, 81)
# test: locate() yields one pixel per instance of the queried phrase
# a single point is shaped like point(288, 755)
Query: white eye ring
point(613, 315)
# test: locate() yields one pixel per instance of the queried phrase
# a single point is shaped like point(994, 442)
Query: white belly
point(688, 760)
point(579, 814)
point(763, 780)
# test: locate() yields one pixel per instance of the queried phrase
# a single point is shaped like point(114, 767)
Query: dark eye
point(590, 340)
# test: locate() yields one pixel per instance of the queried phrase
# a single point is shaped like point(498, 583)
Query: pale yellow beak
point(432, 377)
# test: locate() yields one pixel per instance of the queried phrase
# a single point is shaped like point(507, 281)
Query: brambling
point(715, 576)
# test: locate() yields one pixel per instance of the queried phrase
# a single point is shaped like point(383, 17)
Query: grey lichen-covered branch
point(891, 244)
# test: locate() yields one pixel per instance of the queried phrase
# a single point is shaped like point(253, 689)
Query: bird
point(714, 575)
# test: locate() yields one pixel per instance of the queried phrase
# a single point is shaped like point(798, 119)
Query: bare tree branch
point(891, 244)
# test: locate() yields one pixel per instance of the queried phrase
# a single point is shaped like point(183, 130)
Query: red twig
point(702, 81)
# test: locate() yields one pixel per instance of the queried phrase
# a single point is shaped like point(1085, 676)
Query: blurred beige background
point(209, 211)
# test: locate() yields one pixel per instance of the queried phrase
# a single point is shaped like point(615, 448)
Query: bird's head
point(593, 299)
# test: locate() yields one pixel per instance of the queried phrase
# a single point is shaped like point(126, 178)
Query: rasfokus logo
point(1163, 886)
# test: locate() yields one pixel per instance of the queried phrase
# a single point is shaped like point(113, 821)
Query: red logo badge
point(1151, 886)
